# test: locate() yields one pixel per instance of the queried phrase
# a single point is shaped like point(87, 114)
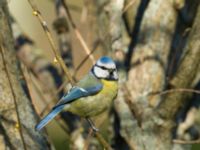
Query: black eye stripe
point(104, 68)
point(111, 76)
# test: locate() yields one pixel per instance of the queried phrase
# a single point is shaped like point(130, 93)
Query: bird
point(91, 96)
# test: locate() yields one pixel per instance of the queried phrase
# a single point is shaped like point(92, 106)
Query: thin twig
point(14, 97)
point(61, 87)
point(45, 27)
point(177, 90)
point(98, 123)
point(85, 59)
point(79, 66)
point(102, 141)
point(75, 8)
point(77, 32)
point(27, 79)
point(6, 137)
point(37, 13)
point(98, 135)
point(88, 52)
point(47, 104)
point(176, 141)
point(128, 6)
point(40, 94)
point(87, 140)
point(47, 107)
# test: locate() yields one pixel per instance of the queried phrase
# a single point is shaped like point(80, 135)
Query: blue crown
point(106, 60)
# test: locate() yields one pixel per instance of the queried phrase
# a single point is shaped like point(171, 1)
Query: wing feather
point(78, 92)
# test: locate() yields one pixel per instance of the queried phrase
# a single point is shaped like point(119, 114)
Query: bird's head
point(105, 68)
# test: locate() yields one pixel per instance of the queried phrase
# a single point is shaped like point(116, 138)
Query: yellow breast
point(109, 86)
point(96, 104)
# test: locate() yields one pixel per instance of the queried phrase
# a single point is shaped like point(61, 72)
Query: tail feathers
point(48, 117)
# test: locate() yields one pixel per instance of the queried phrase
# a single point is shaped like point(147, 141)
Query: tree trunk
point(17, 116)
point(147, 74)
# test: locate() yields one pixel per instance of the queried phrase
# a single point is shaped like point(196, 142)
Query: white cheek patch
point(100, 73)
point(115, 75)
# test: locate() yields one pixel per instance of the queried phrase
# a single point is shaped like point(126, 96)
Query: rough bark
point(9, 125)
point(116, 24)
point(141, 126)
point(147, 75)
point(149, 60)
point(185, 74)
point(184, 23)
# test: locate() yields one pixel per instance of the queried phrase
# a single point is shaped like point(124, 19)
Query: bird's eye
point(104, 68)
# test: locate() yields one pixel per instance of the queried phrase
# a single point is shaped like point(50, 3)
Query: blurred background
point(152, 34)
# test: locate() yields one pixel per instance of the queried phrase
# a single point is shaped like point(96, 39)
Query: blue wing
point(88, 86)
point(77, 92)
point(48, 117)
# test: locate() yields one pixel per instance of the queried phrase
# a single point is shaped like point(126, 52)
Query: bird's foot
point(94, 129)
point(92, 125)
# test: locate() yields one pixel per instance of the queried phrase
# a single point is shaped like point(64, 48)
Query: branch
point(60, 60)
point(26, 112)
point(85, 59)
point(176, 90)
point(186, 142)
point(19, 124)
point(185, 75)
point(37, 13)
point(132, 2)
point(78, 34)
point(150, 57)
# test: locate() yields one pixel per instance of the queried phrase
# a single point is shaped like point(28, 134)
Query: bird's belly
point(93, 105)
point(88, 107)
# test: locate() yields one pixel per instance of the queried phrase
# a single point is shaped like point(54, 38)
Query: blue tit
point(92, 95)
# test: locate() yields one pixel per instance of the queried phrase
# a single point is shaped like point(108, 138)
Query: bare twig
point(61, 87)
point(79, 66)
point(77, 32)
point(79, 36)
point(75, 8)
point(49, 36)
point(85, 59)
point(87, 140)
point(128, 6)
point(61, 62)
point(88, 52)
point(19, 124)
point(176, 90)
point(27, 79)
point(102, 141)
point(176, 141)
point(40, 94)
point(47, 107)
